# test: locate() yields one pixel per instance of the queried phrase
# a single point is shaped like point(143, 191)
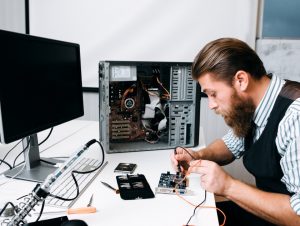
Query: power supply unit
point(147, 106)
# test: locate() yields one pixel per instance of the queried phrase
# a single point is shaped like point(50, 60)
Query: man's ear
point(241, 80)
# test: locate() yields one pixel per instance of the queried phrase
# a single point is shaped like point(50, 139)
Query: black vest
point(261, 158)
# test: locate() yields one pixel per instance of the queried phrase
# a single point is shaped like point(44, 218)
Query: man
point(263, 112)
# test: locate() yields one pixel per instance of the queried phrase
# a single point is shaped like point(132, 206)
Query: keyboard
point(65, 186)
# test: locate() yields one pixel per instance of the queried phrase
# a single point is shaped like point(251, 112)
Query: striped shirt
point(287, 139)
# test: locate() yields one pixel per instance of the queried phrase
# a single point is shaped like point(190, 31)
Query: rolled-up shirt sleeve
point(288, 144)
point(234, 144)
point(295, 203)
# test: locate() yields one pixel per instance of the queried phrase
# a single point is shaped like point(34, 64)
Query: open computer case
point(147, 106)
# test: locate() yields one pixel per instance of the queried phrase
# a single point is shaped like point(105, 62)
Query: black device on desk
point(134, 186)
point(58, 221)
point(127, 168)
point(40, 87)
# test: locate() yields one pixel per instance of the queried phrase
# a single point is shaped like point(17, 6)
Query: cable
point(11, 150)
point(41, 191)
point(81, 172)
point(14, 176)
point(183, 164)
point(48, 162)
point(186, 152)
point(5, 206)
point(42, 160)
point(14, 164)
point(23, 196)
point(167, 95)
point(41, 211)
point(199, 205)
point(20, 171)
point(6, 163)
point(27, 146)
point(46, 137)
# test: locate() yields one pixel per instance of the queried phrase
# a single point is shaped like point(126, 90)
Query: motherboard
point(172, 184)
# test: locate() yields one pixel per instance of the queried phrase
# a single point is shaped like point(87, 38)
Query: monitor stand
point(35, 169)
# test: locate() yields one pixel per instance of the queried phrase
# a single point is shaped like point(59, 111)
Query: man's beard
point(240, 116)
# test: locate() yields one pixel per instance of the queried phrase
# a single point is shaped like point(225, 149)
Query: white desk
point(166, 210)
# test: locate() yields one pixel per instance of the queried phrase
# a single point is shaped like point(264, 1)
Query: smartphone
point(125, 168)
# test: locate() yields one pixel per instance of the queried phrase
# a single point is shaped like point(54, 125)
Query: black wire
point(23, 196)
point(196, 208)
point(77, 187)
point(6, 163)
point(41, 211)
point(14, 164)
point(187, 152)
point(11, 150)
point(22, 151)
point(77, 190)
point(5, 206)
point(27, 147)
point(48, 162)
point(20, 163)
point(80, 172)
point(42, 160)
point(46, 137)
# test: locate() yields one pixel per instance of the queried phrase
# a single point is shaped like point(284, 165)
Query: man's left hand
point(213, 178)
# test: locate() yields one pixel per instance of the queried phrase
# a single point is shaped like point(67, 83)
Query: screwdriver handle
point(82, 210)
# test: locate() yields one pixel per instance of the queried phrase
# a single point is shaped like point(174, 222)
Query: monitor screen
point(40, 84)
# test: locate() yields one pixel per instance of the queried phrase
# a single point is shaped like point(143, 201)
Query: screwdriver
point(82, 210)
point(117, 191)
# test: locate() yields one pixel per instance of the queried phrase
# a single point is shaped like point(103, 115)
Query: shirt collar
point(265, 106)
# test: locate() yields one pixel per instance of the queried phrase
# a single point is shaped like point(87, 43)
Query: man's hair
point(224, 57)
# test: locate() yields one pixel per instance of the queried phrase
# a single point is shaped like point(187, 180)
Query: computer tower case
point(147, 106)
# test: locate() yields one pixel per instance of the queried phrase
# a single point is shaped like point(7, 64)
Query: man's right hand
point(181, 157)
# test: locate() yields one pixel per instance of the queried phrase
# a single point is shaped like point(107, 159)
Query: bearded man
point(263, 112)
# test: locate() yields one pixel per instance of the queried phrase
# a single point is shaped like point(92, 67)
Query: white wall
point(12, 15)
point(143, 30)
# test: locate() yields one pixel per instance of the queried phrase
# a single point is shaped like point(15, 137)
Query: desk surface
point(167, 210)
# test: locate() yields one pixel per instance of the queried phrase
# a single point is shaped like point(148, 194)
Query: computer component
point(65, 185)
point(134, 186)
point(172, 184)
point(147, 105)
point(125, 168)
point(40, 87)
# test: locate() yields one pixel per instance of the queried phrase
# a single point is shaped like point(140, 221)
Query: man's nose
point(212, 104)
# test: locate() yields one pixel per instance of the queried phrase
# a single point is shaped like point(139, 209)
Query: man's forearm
point(272, 207)
point(217, 152)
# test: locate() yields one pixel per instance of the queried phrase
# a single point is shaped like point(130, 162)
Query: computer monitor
point(40, 87)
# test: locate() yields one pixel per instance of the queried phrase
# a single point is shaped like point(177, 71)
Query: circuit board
point(137, 107)
point(172, 184)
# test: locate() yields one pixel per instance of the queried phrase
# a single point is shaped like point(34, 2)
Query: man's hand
point(213, 178)
point(182, 158)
